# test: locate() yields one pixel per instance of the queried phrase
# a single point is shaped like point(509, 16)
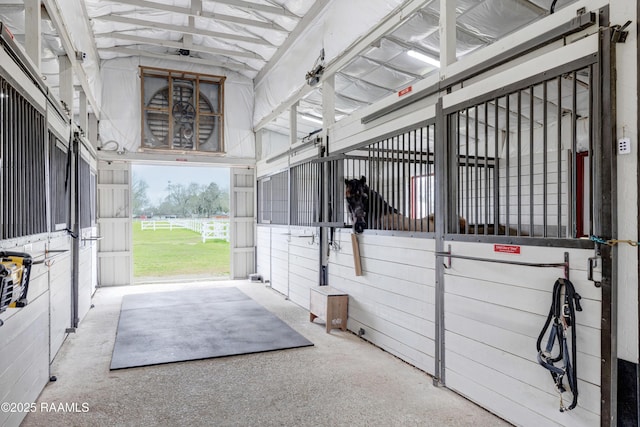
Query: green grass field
point(177, 253)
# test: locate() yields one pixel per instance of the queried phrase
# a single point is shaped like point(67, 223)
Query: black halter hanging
point(563, 311)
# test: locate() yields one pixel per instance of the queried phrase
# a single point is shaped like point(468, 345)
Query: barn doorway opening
point(180, 223)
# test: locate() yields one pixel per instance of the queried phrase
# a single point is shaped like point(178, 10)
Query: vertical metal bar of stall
point(375, 171)
point(402, 140)
point(395, 181)
point(412, 154)
point(519, 167)
point(466, 175)
point(486, 167)
point(477, 174)
point(574, 155)
point(22, 214)
point(559, 158)
point(385, 181)
point(507, 131)
point(425, 176)
point(531, 159)
point(591, 156)
point(496, 169)
point(421, 178)
point(458, 210)
point(545, 136)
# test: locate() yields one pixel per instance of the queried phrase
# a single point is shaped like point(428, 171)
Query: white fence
point(207, 228)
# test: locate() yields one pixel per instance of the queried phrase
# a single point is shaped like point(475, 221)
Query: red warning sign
point(507, 249)
point(405, 91)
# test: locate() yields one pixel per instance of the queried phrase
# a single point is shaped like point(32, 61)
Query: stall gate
point(495, 198)
point(288, 233)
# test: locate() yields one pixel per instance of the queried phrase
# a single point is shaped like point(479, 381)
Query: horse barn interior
point(454, 182)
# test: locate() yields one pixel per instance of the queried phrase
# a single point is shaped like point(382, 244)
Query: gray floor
point(166, 327)
point(340, 381)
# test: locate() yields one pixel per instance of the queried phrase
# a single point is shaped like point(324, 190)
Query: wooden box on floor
point(331, 305)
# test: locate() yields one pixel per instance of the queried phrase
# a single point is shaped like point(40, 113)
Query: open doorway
point(180, 223)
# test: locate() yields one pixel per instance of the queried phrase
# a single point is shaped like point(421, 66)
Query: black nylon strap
point(562, 312)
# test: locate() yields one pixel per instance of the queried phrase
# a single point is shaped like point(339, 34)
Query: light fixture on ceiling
point(311, 119)
point(424, 58)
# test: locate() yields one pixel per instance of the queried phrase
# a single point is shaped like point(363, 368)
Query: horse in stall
point(364, 204)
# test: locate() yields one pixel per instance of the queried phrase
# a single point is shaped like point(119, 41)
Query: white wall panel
point(24, 351)
point(115, 257)
point(394, 300)
point(493, 315)
point(243, 219)
point(60, 292)
point(263, 254)
point(304, 254)
point(280, 260)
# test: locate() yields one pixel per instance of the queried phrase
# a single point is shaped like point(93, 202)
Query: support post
point(83, 115)
point(32, 26)
point(66, 83)
point(447, 31)
point(441, 157)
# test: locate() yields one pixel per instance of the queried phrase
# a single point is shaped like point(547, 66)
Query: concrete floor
point(341, 381)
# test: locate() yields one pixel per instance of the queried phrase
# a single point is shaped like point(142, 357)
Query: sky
point(158, 177)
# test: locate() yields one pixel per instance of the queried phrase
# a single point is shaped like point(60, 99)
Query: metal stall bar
point(559, 156)
point(487, 176)
point(545, 119)
point(476, 174)
point(519, 165)
point(572, 220)
point(467, 177)
point(531, 159)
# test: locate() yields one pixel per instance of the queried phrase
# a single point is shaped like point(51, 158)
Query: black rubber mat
point(167, 327)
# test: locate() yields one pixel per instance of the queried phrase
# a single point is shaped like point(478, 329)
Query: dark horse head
point(357, 196)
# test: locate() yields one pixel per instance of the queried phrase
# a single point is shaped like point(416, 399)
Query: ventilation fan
point(185, 123)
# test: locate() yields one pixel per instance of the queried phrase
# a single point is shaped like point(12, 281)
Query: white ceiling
point(244, 35)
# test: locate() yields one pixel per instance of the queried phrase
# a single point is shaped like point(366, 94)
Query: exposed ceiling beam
point(309, 17)
point(180, 45)
point(61, 27)
point(388, 24)
point(138, 52)
point(259, 7)
point(215, 16)
point(183, 29)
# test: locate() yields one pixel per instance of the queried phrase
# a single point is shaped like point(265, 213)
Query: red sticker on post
point(405, 91)
point(507, 249)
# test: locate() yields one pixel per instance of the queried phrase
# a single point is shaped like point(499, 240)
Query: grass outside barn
point(175, 254)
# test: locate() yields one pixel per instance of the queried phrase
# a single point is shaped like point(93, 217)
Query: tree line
point(184, 201)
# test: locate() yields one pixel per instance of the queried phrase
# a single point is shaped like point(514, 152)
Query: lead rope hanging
point(562, 312)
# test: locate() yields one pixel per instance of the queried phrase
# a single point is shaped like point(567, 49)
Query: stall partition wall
point(39, 200)
point(393, 304)
point(288, 247)
point(505, 155)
